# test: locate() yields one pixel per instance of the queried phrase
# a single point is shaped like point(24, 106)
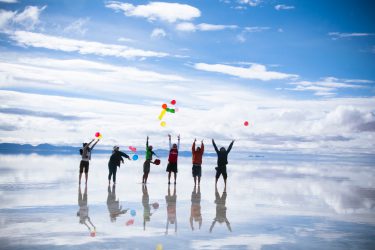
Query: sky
point(302, 73)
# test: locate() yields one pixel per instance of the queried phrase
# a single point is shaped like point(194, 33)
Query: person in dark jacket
point(114, 162)
point(222, 161)
point(172, 159)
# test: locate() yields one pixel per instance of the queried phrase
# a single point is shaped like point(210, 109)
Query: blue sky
point(305, 65)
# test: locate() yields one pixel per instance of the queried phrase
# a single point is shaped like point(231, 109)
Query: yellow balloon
point(163, 123)
point(159, 247)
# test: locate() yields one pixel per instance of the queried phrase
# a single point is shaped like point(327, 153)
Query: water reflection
point(195, 210)
point(83, 212)
point(113, 204)
point(221, 209)
point(147, 206)
point(171, 201)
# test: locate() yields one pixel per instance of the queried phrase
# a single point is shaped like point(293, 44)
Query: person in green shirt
point(148, 161)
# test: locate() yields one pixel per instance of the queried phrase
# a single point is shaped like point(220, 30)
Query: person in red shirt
point(172, 159)
point(197, 154)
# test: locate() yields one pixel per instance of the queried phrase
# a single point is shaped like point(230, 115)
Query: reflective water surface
point(268, 204)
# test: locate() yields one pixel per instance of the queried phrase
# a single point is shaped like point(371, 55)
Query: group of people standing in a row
point(197, 154)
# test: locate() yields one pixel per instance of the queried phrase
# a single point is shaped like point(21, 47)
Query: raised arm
point(193, 146)
point(178, 142)
point(202, 147)
point(94, 144)
point(213, 143)
point(147, 143)
point(170, 143)
point(88, 144)
point(230, 146)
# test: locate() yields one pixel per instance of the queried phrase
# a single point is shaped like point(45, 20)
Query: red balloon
point(173, 102)
point(164, 106)
point(130, 222)
point(97, 134)
point(246, 123)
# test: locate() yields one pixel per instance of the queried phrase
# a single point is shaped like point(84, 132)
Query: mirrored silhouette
point(171, 201)
point(113, 204)
point(195, 210)
point(83, 212)
point(221, 209)
point(147, 206)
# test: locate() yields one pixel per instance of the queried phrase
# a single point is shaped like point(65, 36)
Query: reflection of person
point(172, 159)
point(195, 211)
point(148, 161)
point(83, 212)
point(113, 205)
point(197, 154)
point(222, 161)
point(86, 157)
point(114, 162)
point(171, 201)
point(221, 209)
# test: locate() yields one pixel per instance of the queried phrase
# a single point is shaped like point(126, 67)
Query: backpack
point(173, 154)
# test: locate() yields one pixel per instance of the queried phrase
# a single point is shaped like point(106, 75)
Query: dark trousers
point(112, 171)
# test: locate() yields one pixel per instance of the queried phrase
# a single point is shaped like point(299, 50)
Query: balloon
point(100, 137)
point(173, 102)
point(97, 134)
point(130, 222)
point(163, 123)
point(135, 157)
point(164, 106)
point(133, 149)
point(155, 205)
point(132, 212)
point(170, 110)
point(159, 247)
point(93, 234)
point(157, 162)
point(246, 123)
point(162, 113)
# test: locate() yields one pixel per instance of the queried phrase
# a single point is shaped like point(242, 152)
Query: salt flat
point(268, 204)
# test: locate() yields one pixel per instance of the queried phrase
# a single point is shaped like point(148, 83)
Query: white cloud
point(255, 71)
point(27, 19)
point(326, 86)
point(284, 7)
point(242, 36)
point(39, 40)
point(186, 26)
point(125, 39)
point(338, 35)
point(158, 33)
point(8, 1)
point(169, 12)
point(252, 3)
point(77, 27)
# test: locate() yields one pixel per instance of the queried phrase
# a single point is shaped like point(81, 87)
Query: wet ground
point(268, 204)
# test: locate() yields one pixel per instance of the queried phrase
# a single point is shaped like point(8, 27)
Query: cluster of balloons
point(131, 220)
point(165, 109)
point(98, 135)
point(134, 150)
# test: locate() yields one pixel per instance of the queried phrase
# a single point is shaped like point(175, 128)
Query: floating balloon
point(164, 106)
point(155, 205)
point(159, 247)
point(97, 134)
point(135, 157)
point(162, 113)
point(246, 123)
point(133, 149)
point(130, 222)
point(173, 102)
point(132, 212)
point(163, 124)
point(170, 110)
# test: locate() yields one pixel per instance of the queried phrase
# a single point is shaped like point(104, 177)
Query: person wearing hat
point(114, 162)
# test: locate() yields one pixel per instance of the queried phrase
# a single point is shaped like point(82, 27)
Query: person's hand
point(169, 136)
point(147, 138)
point(122, 161)
point(202, 141)
point(195, 139)
point(178, 137)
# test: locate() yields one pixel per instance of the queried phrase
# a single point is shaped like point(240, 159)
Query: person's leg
point(146, 177)
point(87, 171)
point(80, 176)
point(80, 172)
point(218, 173)
point(175, 177)
point(109, 174)
point(169, 177)
point(225, 179)
point(143, 177)
point(195, 181)
point(199, 180)
point(199, 175)
point(114, 175)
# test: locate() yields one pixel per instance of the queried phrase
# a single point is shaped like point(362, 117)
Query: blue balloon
point(135, 157)
point(132, 212)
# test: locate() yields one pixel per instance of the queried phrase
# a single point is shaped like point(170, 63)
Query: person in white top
point(86, 157)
